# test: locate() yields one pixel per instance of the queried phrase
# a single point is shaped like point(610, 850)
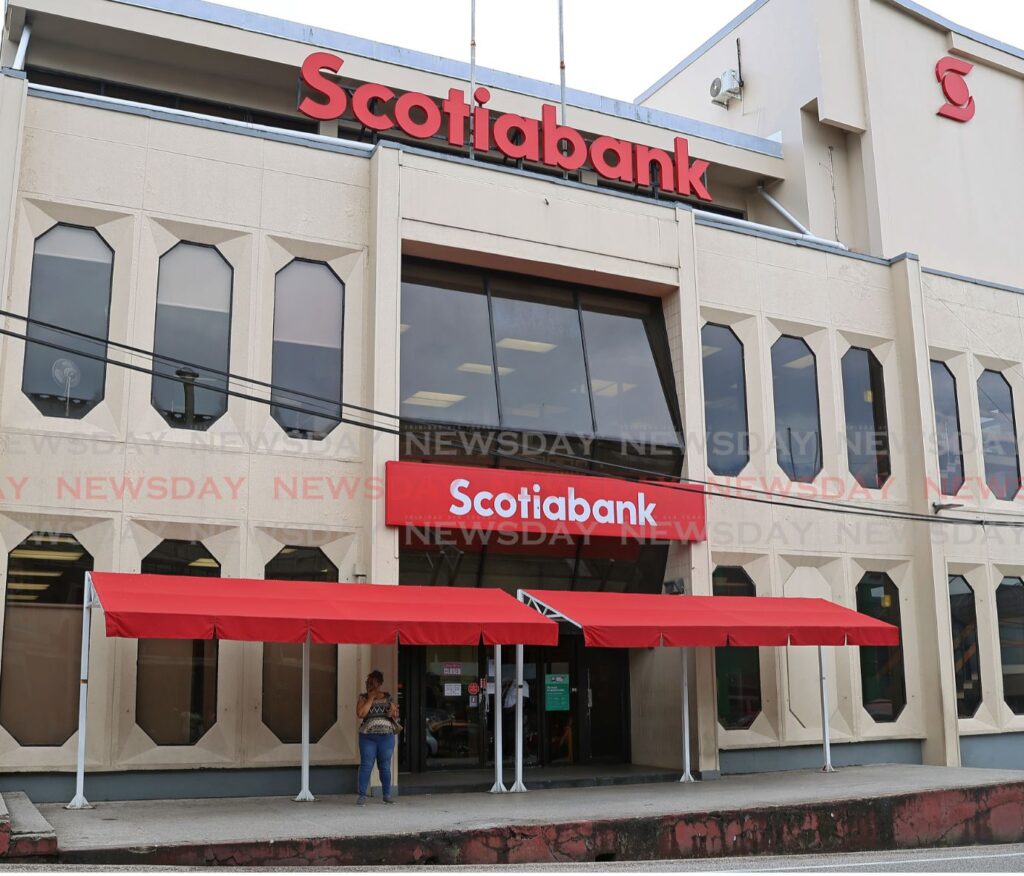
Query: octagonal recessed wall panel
point(801, 664)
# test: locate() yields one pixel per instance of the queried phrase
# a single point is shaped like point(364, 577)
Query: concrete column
point(13, 99)
point(381, 354)
point(931, 593)
point(689, 384)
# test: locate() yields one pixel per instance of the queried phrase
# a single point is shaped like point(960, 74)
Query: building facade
point(244, 264)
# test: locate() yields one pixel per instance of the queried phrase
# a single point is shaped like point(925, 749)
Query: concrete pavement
point(855, 808)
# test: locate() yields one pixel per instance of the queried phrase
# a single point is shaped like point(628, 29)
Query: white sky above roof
point(615, 48)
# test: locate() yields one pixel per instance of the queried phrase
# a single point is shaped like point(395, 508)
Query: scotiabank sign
point(377, 108)
point(446, 496)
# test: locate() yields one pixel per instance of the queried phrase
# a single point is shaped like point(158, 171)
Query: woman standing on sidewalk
point(377, 730)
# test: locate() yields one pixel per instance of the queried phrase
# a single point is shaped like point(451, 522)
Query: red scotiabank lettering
point(421, 116)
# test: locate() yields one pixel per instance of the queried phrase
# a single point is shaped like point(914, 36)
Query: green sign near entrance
point(556, 693)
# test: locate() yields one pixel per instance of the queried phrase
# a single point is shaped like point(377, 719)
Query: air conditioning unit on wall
point(726, 87)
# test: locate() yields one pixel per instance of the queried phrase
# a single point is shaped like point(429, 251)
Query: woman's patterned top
point(377, 721)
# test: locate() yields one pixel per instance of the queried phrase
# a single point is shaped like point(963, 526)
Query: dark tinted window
point(883, 686)
point(70, 289)
point(947, 429)
point(193, 332)
point(797, 419)
point(42, 647)
point(539, 345)
point(867, 427)
point(308, 319)
point(725, 400)
point(629, 399)
point(998, 435)
point(447, 361)
point(737, 670)
point(966, 659)
point(282, 661)
point(1010, 613)
point(176, 679)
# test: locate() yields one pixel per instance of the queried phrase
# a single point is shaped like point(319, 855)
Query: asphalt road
point(971, 859)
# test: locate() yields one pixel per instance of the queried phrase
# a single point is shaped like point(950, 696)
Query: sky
point(612, 48)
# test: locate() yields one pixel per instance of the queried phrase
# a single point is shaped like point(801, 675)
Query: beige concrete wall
point(145, 185)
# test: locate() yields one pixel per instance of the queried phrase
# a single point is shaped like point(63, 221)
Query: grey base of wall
point(765, 760)
point(178, 784)
point(1001, 751)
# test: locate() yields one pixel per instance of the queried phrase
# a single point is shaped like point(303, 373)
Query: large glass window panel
point(176, 679)
point(947, 429)
point(966, 658)
point(282, 661)
point(797, 417)
point(69, 289)
point(737, 670)
point(447, 361)
point(882, 682)
point(541, 372)
point(307, 358)
point(1010, 613)
point(998, 435)
point(725, 400)
point(867, 426)
point(42, 648)
point(630, 400)
point(193, 331)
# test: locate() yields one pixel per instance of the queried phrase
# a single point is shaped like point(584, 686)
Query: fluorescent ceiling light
point(43, 540)
point(803, 362)
point(26, 585)
point(402, 327)
point(428, 399)
point(481, 368)
point(22, 597)
point(33, 573)
point(60, 556)
point(204, 563)
point(708, 350)
point(526, 346)
point(610, 387)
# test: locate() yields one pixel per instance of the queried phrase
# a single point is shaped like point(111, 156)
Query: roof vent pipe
point(796, 223)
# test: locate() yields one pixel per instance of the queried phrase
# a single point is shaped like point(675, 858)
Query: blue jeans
point(375, 747)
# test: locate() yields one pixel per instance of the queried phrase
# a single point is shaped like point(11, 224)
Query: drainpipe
point(26, 35)
point(792, 220)
point(721, 219)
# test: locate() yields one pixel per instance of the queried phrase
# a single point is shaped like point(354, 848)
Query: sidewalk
point(856, 808)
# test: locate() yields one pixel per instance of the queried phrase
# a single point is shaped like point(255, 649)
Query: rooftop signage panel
point(422, 117)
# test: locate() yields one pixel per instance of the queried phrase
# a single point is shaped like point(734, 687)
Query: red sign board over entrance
point(378, 108)
point(456, 497)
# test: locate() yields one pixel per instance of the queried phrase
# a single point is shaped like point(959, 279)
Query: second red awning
point(641, 620)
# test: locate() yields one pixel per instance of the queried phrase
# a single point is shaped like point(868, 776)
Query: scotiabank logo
point(530, 503)
point(950, 73)
point(471, 499)
point(378, 108)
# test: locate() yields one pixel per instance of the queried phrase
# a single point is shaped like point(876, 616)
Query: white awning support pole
point(305, 795)
point(499, 702)
point(519, 786)
point(825, 710)
point(79, 801)
point(687, 775)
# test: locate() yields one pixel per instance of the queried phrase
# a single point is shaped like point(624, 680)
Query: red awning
point(639, 620)
point(254, 610)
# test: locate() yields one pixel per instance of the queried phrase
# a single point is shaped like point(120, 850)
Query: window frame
point(226, 374)
point(1016, 439)
point(817, 402)
point(881, 455)
point(745, 399)
point(977, 637)
point(898, 647)
point(959, 426)
point(341, 349)
point(106, 332)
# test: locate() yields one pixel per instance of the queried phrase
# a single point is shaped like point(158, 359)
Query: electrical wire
point(678, 483)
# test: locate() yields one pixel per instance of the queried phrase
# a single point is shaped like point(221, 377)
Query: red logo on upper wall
point(950, 73)
point(379, 108)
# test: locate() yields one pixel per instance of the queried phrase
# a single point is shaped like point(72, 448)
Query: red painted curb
point(956, 816)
